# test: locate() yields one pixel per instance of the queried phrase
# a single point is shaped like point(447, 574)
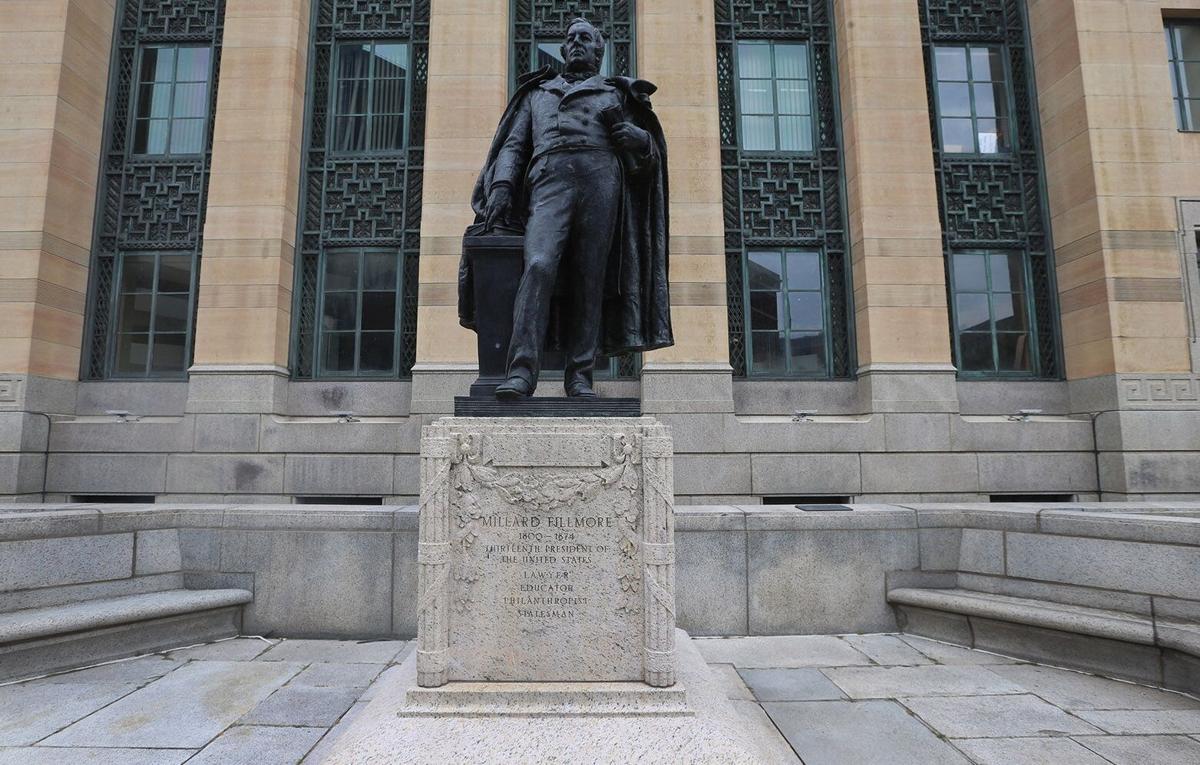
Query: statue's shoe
point(581, 390)
point(513, 389)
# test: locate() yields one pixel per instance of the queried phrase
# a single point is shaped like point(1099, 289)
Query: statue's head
point(583, 50)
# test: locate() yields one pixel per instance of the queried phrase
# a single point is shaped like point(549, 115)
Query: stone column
point(676, 50)
point(54, 59)
point(900, 303)
point(467, 93)
point(1116, 167)
point(243, 321)
point(433, 559)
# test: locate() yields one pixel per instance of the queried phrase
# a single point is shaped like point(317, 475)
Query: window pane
point(187, 136)
point(379, 310)
point(137, 273)
point(755, 97)
point(1191, 110)
point(808, 352)
point(1008, 309)
point(158, 64)
point(791, 61)
point(193, 65)
point(352, 97)
point(341, 310)
point(954, 99)
point(767, 350)
point(168, 353)
point(350, 134)
point(758, 133)
point(754, 60)
point(354, 61)
point(976, 352)
point(806, 310)
point(150, 137)
point(379, 271)
point(337, 351)
point(988, 96)
point(341, 271)
point(1013, 352)
point(1189, 41)
point(388, 97)
point(972, 312)
point(378, 352)
point(1191, 79)
point(154, 101)
point(951, 62)
point(970, 271)
point(793, 97)
point(803, 271)
point(132, 354)
point(765, 270)
point(191, 100)
point(174, 273)
point(766, 311)
point(987, 64)
point(391, 59)
point(958, 136)
point(135, 313)
point(549, 54)
point(387, 133)
point(989, 137)
point(171, 314)
point(795, 134)
point(1008, 272)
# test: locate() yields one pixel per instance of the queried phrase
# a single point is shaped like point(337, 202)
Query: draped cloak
point(636, 314)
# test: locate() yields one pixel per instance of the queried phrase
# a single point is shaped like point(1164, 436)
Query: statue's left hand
point(630, 137)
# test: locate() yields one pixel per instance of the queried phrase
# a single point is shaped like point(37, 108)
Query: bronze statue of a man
point(579, 163)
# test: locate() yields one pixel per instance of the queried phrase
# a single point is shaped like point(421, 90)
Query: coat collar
point(560, 86)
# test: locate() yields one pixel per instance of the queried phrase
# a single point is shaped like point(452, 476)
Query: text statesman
point(580, 163)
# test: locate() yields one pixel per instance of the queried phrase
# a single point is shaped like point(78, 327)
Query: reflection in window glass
point(359, 313)
point(154, 314)
point(172, 100)
point(549, 53)
point(1183, 45)
point(370, 97)
point(774, 96)
point(991, 313)
point(786, 320)
point(972, 99)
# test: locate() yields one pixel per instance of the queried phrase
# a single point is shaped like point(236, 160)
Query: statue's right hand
point(499, 205)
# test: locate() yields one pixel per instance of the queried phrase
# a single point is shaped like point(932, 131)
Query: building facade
point(922, 250)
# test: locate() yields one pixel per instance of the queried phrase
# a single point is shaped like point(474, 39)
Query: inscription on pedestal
point(546, 551)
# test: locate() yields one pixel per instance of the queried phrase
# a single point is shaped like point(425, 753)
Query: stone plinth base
point(692, 722)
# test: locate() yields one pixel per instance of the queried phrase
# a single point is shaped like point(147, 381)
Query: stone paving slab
point(334, 675)
point(944, 653)
point(185, 709)
point(139, 671)
point(32, 711)
point(236, 649)
point(1136, 721)
point(45, 755)
point(1144, 750)
point(731, 682)
point(1077, 690)
point(859, 733)
point(337, 651)
point(764, 730)
point(259, 745)
point(888, 650)
point(318, 753)
point(995, 716)
point(306, 707)
point(1028, 751)
point(791, 685)
point(780, 651)
point(893, 682)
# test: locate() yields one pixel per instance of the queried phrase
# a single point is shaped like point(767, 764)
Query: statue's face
point(583, 49)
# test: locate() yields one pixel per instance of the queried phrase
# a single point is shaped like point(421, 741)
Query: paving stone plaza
point(821, 699)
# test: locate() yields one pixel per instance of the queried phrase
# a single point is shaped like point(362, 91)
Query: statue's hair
point(599, 35)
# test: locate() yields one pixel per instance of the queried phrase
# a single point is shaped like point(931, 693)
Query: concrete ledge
point(34, 623)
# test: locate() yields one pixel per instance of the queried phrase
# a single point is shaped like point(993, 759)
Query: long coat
point(637, 304)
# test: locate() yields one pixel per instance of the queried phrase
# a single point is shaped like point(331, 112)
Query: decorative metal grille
point(146, 203)
point(370, 200)
point(781, 199)
point(537, 21)
point(997, 201)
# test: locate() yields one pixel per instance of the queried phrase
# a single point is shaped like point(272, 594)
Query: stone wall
point(351, 572)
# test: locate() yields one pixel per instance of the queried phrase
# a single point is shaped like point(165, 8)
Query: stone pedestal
point(546, 551)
